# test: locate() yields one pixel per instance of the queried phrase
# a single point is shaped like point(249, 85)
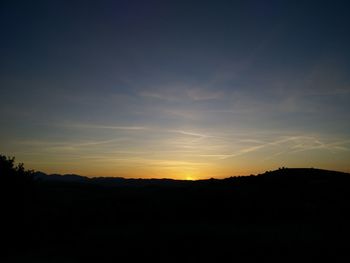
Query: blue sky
point(181, 89)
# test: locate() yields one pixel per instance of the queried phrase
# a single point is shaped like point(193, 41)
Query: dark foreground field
point(288, 215)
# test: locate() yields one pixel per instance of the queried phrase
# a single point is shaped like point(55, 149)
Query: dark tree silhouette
point(16, 199)
point(16, 183)
point(14, 174)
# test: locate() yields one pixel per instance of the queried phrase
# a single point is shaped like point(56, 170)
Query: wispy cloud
point(317, 144)
point(299, 144)
point(64, 145)
point(184, 92)
point(108, 127)
point(198, 94)
point(190, 133)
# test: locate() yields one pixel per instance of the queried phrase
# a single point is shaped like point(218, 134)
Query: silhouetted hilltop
point(303, 172)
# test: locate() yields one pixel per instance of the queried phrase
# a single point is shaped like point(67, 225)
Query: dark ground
point(287, 215)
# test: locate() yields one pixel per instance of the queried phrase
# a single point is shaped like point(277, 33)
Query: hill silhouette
point(309, 174)
point(283, 215)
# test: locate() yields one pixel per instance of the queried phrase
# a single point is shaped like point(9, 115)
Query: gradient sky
point(179, 89)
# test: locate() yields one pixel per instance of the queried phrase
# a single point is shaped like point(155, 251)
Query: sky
point(175, 89)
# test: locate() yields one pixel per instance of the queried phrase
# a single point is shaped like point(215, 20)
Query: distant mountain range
point(107, 181)
point(312, 174)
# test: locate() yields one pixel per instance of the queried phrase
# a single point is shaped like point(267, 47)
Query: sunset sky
point(176, 89)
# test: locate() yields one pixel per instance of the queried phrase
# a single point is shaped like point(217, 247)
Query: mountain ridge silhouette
point(307, 173)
